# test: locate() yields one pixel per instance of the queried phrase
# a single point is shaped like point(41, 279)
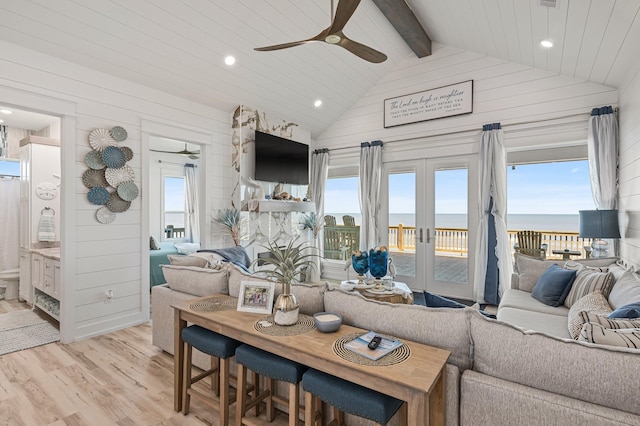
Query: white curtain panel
point(319, 173)
point(602, 148)
point(9, 222)
point(369, 186)
point(193, 210)
point(492, 183)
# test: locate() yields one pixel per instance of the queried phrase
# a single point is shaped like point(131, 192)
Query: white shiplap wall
point(629, 190)
point(98, 257)
point(537, 109)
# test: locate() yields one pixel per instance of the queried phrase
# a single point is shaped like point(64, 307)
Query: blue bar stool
point(221, 349)
point(272, 367)
point(350, 398)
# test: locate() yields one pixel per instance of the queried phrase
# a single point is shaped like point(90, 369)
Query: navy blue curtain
point(492, 276)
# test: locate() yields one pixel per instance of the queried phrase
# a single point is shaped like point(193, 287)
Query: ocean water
point(515, 222)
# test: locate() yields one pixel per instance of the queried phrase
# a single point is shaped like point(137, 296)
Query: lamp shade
point(599, 224)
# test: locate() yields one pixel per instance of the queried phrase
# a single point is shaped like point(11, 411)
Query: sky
point(547, 188)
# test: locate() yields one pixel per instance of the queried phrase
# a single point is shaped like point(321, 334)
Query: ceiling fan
point(191, 154)
point(334, 35)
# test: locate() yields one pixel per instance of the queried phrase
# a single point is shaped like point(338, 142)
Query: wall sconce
point(599, 224)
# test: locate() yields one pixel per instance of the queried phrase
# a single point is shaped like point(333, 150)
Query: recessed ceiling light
point(229, 60)
point(317, 103)
point(546, 43)
point(5, 111)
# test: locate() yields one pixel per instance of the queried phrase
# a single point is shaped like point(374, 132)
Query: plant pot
point(286, 310)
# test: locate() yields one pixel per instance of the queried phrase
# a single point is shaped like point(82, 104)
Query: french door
point(429, 223)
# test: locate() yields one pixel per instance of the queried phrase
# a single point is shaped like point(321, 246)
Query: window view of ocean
point(515, 222)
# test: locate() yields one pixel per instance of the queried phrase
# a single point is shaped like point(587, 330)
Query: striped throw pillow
point(595, 333)
point(587, 281)
point(611, 323)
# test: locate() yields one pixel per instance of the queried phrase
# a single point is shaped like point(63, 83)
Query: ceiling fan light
point(333, 39)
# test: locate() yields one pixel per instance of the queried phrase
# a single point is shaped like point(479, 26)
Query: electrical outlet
point(108, 296)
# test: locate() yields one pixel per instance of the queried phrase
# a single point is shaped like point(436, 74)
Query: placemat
point(394, 357)
point(268, 326)
point(213, 304)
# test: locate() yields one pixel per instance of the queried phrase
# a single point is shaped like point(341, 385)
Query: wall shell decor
point(109, 178)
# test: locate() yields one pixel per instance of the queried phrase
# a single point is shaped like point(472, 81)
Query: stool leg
point(256, 391)
point(224, 391)
point(271, 414)
point(186, 378)
point(294, 403)
point(309, 409)
point(338, 416)
point(241, 393)
point(215, 377)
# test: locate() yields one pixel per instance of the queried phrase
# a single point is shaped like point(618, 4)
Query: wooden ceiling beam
point(406, 24)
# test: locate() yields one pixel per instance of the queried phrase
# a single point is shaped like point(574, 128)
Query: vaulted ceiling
point(179, 46)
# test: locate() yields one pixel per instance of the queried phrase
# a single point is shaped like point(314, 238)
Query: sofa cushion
point(435, 301)
point(237, 275)
point(626, 290)
point(625, 337)
point(598, 374)
point(553, 285)
point(607, 322)
point(310, 297)
point(554, 325)
point(196, 281)
point(594, 302)
point(632, 310)
point(587, 281)
point(182, 260)
point(441, 327)
point(529, 270)
point(522, 300)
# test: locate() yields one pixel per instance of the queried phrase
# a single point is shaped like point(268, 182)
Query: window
point(174, 211)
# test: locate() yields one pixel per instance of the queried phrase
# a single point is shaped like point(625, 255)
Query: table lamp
point(599, 224)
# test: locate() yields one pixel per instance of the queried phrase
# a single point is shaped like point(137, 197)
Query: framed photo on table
point(256, 296)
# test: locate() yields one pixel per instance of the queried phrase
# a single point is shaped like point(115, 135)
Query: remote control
point(374, 342)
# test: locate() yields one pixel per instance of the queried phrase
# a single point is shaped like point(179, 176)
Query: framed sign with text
point(447, 101)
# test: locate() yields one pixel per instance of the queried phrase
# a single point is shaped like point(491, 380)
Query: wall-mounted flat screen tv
point(281, 160)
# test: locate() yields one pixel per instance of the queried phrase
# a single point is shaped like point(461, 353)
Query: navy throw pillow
point(553, 285)
point(434, 301)
point(632, 310)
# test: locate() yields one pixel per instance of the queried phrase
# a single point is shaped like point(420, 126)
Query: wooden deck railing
point(454, 240)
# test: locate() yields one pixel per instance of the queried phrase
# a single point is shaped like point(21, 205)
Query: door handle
point(420, 235)
point(428, 235)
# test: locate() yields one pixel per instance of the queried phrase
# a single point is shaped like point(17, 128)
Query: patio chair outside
point(530, 244)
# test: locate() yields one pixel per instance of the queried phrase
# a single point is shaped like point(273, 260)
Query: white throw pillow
point(626, 290)
point(187, 248)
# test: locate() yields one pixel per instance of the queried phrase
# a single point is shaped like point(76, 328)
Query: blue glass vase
point(360, 263)
point(378, 261)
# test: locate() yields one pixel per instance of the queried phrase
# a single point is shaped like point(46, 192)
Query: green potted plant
point(286, 264)
point(231, 221)
point(314, 223)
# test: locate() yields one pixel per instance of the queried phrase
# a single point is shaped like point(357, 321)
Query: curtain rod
point(177, 164)
point(455, 132)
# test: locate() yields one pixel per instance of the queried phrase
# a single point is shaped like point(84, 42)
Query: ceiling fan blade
point(344, 11)
point(286, 45)
point(365, 52)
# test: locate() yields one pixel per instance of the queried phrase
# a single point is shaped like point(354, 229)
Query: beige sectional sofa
point(497, 374)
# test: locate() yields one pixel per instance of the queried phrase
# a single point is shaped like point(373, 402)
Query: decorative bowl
point(327, 322)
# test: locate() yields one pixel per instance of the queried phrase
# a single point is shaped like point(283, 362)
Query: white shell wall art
point(109, 173)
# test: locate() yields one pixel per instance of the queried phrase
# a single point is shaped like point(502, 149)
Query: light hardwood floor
point(116, 379)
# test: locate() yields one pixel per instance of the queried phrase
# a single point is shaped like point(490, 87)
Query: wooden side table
point(566, 254)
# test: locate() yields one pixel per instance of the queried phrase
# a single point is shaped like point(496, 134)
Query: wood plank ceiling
point(179, 46)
